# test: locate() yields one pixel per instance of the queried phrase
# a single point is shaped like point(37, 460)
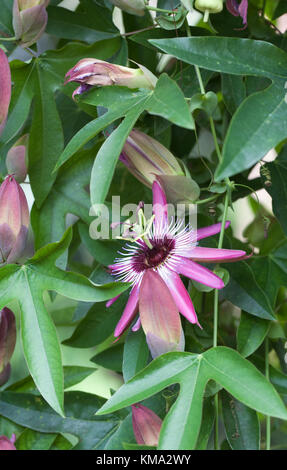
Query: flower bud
point(29, 20)
point(7, 444)
point(94, 72)
point(16, 159)
point(146, 425)
point(212, 6)
point(146, 158)
point(14, 220)
point(134, 7)
point(5, 89)
point(7, 342)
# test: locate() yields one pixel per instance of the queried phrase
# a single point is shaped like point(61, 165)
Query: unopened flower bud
point(14, 220)
point(148, 160)
point(146, 425)
point(5, 89)
point(135, 7)
point(94, 72)
point(29, 20)
point(7, 342)
point(212, 6)
point(7, 444)
point(16, 159)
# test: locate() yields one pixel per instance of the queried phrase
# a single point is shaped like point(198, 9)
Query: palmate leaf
point(32, 412)
point(182, 424)
point(167, 100)
point(38, 81)
point(254, 129)
point(27, 283)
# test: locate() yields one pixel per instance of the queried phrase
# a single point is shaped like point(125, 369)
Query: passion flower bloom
point(29, 20)
point(7, 444)
point(14, 220)
point(238, 9)
point(153, 263)
point(146, 425)
point(95, 72)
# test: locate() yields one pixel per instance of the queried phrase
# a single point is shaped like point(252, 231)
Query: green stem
point(268, 419)
point(208, 199)
point(8, 39)
point(161, 10)
point(206, 16)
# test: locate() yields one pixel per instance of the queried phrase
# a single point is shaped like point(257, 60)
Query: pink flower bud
point(146, 425)
point(16, 159)
point(14, 220)
point(29, 20)
point(135, 7)
point(148, 160)
point(7, 444)
point(94, 72)
point(5, 89)
point(7, 342)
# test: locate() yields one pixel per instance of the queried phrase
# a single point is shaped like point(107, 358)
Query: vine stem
point(220, 243)
point(8, 39)
point(268, 419)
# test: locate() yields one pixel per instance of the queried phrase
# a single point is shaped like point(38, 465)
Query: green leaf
point(251, 333)
point(40, 80)
point(136, 354)
point(241, 424)
point(245, 291)
point(68, 196)
point(247, 144)
point(72, 376)
point(32, 440)
point(27, 283)
point(98, 324)
point(92, 25)
point(118, 99)
point(32, 412)
point(274, 176)
point(111, 358)
point(182, 424)
point(228, 55)
point(244, 144)
point(168, 101)
point(107, 157)
point(233, 91)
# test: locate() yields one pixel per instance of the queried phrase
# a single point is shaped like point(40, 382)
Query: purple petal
point(129, 312)
point(180, 296)
point(210, 255)
point(159, 206)
point(242, 9)
point(205, 232)
point(111, 301)
point(232, 7)
point(158, 312)
point(200, 274)
point(137, 325)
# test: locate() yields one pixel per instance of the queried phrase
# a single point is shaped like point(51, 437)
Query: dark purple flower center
point(148, 258)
